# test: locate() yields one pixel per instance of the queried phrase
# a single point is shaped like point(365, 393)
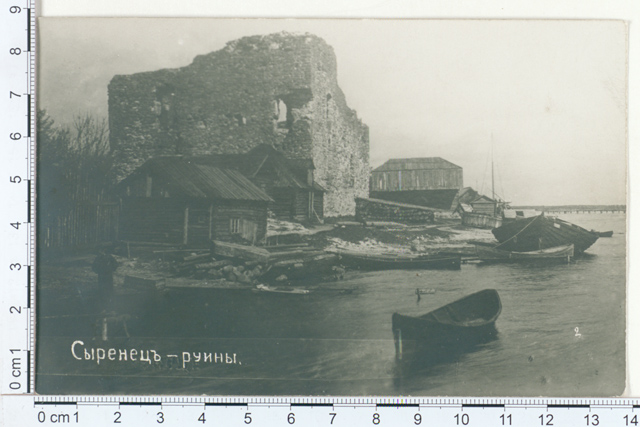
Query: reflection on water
point(561, 332)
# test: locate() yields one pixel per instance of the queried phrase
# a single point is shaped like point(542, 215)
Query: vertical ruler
point(17, 183)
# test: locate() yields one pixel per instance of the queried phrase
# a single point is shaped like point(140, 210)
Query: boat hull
point(557, 254)
point(444, 333)
point(541, 232)
point(399, 262)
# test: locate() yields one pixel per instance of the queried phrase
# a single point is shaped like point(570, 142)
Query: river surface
point(561, 333)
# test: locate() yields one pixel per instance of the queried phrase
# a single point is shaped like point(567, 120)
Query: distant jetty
point(576, 208)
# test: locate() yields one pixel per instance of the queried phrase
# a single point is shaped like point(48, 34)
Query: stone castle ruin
point(280, 89)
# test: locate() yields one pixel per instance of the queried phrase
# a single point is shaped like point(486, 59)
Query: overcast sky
point(551, 95)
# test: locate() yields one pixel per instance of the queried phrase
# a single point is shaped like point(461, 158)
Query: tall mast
point(493, 189)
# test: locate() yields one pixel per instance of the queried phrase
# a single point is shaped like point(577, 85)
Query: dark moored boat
point(450, 330)
point(603, 233)
point(541, 232)
point(491, 254)
point(393, 261)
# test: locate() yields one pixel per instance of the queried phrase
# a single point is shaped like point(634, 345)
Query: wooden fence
point(86, 224)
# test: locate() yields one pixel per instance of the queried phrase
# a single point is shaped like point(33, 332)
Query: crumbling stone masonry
point(279, 89)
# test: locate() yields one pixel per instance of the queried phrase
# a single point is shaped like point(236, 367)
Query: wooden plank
point(186, 226)
point(233, 250)
point(279, 248)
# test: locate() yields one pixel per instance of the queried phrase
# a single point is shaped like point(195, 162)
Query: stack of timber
point(200, 264)
point(542, 232)
point(284, 262)
point(370, 210)
point(232, 250)
point(300, 261)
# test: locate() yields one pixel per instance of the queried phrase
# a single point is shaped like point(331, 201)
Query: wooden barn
point(289, 182)
point(428, 181)
point(177, 201)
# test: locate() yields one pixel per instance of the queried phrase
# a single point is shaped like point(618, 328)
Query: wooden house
point(428, 181)
point(289, 182)
point(178, 201)
point(485, 205)
point(469, 200)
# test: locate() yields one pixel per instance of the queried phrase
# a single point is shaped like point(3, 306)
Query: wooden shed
point(469, 200)
point(426, 181)
point(289, 182)
point(175, 200)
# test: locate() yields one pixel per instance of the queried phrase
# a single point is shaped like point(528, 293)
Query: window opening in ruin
point(282, 113)
point(234, 225)
point(282, 117)
point(163, 104)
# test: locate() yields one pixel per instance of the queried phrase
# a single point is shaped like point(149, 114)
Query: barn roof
point(416, 163)
point(194, 180)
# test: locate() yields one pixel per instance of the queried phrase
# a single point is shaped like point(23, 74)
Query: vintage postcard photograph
point(331, 207)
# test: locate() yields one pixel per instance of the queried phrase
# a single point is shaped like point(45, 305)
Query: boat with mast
point(485, 212)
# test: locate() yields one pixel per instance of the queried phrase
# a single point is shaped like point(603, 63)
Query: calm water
point(338, 340)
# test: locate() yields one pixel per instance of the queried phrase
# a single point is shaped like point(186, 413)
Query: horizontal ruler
point(343, 411)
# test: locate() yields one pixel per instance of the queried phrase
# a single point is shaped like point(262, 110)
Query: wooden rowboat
point(542, 232)
point(449, 330)
point(397, 261)
point(603, 233)
point(294, 291)
point(491, 254)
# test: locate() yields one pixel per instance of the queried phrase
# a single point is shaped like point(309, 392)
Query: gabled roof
point(264, 160)
point(483, 199)
point(416, 163)
point(186, 178)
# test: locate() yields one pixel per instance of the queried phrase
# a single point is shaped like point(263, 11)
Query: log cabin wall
point(304, 199)
point(283, 207)
point(251, 219)
point(301, 207)
point(293, 203)
point(152, 220)
point(199, 223)
point(318, 204)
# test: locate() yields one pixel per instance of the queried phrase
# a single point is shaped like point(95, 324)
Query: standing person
point(104, 266)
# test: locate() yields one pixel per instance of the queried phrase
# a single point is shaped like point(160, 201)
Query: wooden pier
point(577, 209)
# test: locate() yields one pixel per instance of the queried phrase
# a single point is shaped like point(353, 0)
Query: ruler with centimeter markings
point(21, 407)
point(319, 411)
point(17, 183)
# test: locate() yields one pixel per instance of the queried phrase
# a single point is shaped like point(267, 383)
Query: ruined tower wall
point(279, 89)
